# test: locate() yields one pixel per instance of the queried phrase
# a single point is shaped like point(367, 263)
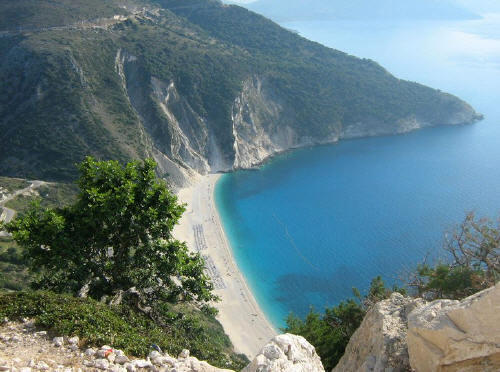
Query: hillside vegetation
point(98, 324)
point(130, 79)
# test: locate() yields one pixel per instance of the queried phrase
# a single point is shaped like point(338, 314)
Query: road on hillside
point(7, 214)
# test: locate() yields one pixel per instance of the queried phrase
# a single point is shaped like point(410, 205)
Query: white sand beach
point(239, 313)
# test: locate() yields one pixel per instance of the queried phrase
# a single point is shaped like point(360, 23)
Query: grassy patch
point(13, 184)
point(54, 195)
point(98, 324)
point(14, 274)
point(58, 195)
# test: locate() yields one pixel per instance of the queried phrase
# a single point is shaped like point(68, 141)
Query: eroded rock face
point(457, 335)
point(288, 353)
point(379, 344)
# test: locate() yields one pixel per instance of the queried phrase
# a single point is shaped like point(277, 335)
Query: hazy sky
point(477, 5)
point(239, 1)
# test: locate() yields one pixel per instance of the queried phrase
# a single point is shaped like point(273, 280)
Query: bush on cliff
point(473, 249)
point(115, 244)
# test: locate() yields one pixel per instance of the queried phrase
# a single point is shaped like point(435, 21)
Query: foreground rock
point(457, 335)
point(379, 344)
point(24, 349)
point(286, 353)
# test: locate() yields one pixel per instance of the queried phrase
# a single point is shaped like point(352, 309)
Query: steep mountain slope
point(199, 85)
point(295, 10)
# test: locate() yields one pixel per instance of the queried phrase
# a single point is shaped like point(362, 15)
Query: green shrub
point(13, 184)
point(125, 328)
point(14, 274)
point(330, 332)
point(473, 263)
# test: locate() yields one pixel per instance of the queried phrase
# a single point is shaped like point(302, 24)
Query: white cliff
point(462, 335)
point(286, 353)
point(407, 334)
point(379, 344)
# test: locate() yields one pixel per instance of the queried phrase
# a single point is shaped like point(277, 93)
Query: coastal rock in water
point(379, 344)
point(286, 353)
point(457, 335)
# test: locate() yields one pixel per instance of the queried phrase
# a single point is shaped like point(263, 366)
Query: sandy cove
point(200, 226)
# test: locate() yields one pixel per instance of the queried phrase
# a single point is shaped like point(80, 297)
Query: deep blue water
point(311, 224)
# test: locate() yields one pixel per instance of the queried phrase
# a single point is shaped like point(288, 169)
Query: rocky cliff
point(198, 85)
point(380, 342)
point(397, 334)
point(406, 334)
point(457, 336)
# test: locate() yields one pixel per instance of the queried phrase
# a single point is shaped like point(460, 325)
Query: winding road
point(7, 214)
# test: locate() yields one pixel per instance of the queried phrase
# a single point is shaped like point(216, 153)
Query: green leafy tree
point(116, 236)
point(330, 332)
point(474, 251)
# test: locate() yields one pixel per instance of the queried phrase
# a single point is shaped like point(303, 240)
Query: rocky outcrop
point(286, 353)
point(406, 334)
point(25, 348)
point(379, 344)
point(462, 335)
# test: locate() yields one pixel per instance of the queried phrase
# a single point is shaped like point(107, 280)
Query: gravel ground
point(24, 348)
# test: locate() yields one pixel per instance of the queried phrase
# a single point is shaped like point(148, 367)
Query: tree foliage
point(473, 265)
point(330, 332)
point(116, 236)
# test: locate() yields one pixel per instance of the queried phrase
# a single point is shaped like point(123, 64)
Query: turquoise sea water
point(311, 224)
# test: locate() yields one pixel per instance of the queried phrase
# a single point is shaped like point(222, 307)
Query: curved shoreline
point(201, 228)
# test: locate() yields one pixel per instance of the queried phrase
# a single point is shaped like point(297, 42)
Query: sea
point(311, 224)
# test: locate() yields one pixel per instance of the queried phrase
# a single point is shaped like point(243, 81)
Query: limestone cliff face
point(262, 126)
point(405, 334)
point(463, 114)
point(457, 335)
point(178, 136)
point(379, 344)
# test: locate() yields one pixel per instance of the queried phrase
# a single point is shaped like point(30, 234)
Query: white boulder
point(101, 363)
point(58, 341)
point(286, 353)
